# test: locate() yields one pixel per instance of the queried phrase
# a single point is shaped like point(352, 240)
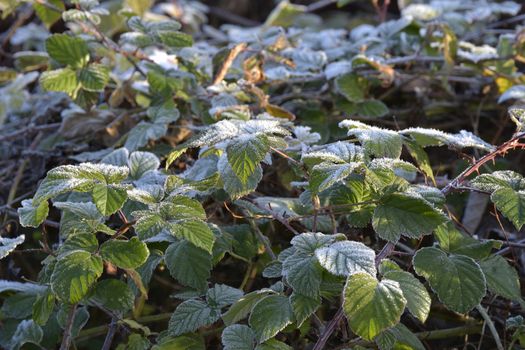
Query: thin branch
point(234, 52)
point(66, 339)
point(111, 334)
point(492, 328)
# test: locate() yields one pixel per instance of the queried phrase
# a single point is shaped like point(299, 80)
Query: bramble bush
point(299, 184)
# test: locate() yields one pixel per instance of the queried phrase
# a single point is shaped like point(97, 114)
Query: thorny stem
point(501, 150)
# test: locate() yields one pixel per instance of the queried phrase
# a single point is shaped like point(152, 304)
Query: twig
point(232, 17)
point(262, 238)
point(111, 334)
point(28, 130)
point(492, 328)
point(277, 217)
point(66, 340)
point(234, 52)
point(319, 5)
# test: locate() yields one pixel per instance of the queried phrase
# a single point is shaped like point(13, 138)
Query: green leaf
point(372, 306)
point(7, 245)
point(499, 179)
point(273, 344)
point(48, 15)
point(188, 264)
point(183, 342)
point(454, 241)
point(352, 86)
point(457, 279)
point(109, 198)
point(113, 294)
point(27, 331)
point(61, 80)
point(125, 254)
point(28, 288)
point(284, 14)
point(222, 295)
point(143, 132)
point(43, 307)
point(197, 232)
point(174, 39)
point(67, 50)
point(346, 258)
point(82, 241)
point(243, 306)
point(398, 337)
point(303, 306)
point(418, 299)
point(502, 279)
point(372, 108)
point(94, 77)
point(245, 154)
point(511, 204)
point(269, 316)
point(190, 316)
point(238, 337)
point(400, 214)
point(421, 157)
point(74, 274)
point(173, 156)
point(232, 184)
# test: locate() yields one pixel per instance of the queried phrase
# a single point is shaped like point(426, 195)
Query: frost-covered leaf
point(142, 133)
point(269, 316)
point(27, 331)
point(188, 264)
point(457, 279)
point(74, 274)
point(125, 254)
point(81, 178)
point(222, 295)
point(502, 279)
point(238, 337)
point(418, 299)
point(27, 288)
point(372, 306)
point(190, 316)
point(303, 273)
point(376, 141)
point(326, 174)
point(432, 137)
point(400, 214)
point(516, 92)
point(7, 245)
point(142, 162)
point(346, 258)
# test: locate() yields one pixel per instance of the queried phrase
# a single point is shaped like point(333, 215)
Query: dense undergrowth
point(341, 175)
